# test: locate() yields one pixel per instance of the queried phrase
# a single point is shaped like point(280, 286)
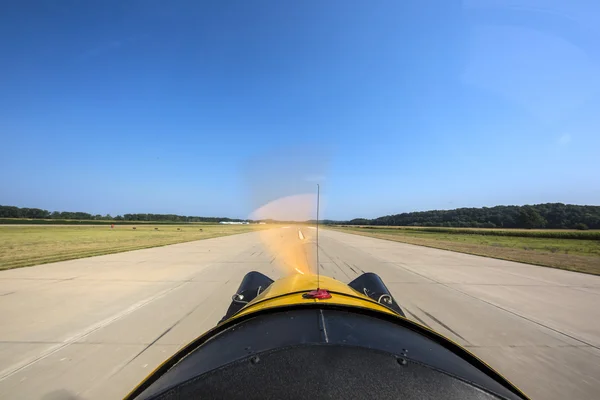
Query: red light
point(320, 294)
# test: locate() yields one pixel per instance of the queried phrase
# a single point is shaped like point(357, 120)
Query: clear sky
point(215, 108)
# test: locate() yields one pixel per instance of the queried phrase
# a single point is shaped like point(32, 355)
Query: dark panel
point(252, 336)
point(325, 372)
point(321, 327)
point(353, 329)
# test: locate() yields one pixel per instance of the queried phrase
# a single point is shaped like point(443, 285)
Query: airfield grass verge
point(22, 246)
point(580, 255)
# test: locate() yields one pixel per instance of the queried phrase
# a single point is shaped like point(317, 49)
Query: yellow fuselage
point(289, 290)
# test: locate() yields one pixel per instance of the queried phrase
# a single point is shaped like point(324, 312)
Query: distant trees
point(549, 215)
point(16, 212)
point(175, 218)
point(529, 218)
point(36, 213)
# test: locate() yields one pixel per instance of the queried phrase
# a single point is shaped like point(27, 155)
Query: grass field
point(582, 255)
point(22, 246)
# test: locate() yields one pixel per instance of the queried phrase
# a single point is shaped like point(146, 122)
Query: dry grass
point(22, 246)
point(572, 255)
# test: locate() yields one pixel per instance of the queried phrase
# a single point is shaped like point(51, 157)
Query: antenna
point(318, 266)
point(321, 294)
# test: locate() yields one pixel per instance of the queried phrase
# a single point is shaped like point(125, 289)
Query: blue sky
point(215, 108)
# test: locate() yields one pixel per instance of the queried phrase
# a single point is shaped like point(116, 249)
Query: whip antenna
point(320, 294)
point(318, 266)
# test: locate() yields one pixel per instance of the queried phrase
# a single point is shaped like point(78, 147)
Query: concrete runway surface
point(93, 328)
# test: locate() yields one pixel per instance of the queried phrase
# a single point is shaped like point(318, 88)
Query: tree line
point(174, 218)
point(549, 215)
point(37, 213)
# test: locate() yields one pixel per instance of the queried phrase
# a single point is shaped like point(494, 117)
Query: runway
point(93, 328)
